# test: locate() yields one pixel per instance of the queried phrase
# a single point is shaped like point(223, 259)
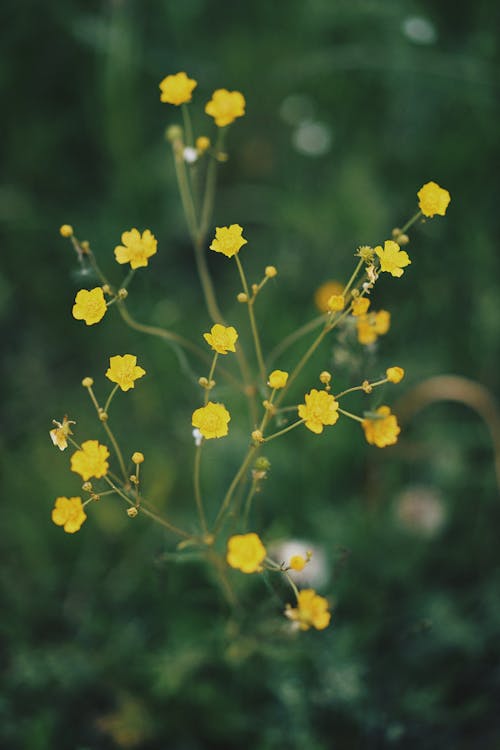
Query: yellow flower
point(66, 230)
point(311, 611)
point(68, 512)
point(298, 563)
point(90, 461)
point(277, 379)
point(394, 374)
point(225, 106)
point(202, 144)
point(136, 248)
point(324, 292)
point(221, 339)
point(433, 199)
point(360, 306)
point(177, 89)
point(382, 431)
point(320, 409)
point(124, 371)
point(392, 259)
point(271, 272)
point(372, 325)
point(336, 303)
point(228, 240)
point(137, 457)
point(60, 433)
point(211, 420)
point(245, 552)
point(90, 306)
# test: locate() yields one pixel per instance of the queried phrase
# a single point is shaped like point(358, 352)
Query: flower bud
point(66, 230)
point(137, 457)
point(87, 382)
point(271, 272)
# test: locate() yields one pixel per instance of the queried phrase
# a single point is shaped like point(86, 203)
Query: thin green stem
point(351, 416)
point(184, 188)
point(248, 503)
point(292, 583)
point(188, 128)
point(351, 280)
point(361, 388)
point(229, 494)
point(253, 324)
point(411, 222)
point(206, 280)
point(197, 490)
point(208, 198)
point(210, 376)
point(117, 451)
point(128, 278)
point(285, 430)
point(93, 398)
point(110, 398)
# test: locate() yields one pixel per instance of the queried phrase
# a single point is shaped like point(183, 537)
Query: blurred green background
point(351, 107)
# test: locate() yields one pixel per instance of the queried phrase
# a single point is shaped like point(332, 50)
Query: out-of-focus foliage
point(351, 107)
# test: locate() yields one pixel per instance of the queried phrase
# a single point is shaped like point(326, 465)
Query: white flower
point(198, 437)
point(190, 155)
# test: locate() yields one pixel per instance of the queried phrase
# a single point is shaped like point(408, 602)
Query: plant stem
point(253, 324)
point(197, 490)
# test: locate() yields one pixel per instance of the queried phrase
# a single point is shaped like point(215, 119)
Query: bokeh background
point(108, 640)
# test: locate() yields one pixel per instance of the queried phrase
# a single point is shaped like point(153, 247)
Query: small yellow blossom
point(202, 144)
point(59, 435)
point(324, 292)
point(136, 248)
point(221, 338)
point(366, 253)
point(392, 258)
point(360, 306)
point(298, 563)
point(320, 409)
point(90, 461)
point(211, 420)
point(68, 512)
point(394, 374)
point(66, 230)
point(433, 199)
point(124, 371)
point(271, 272)
point(228, 240)
point(311, 611)
point(336, 303)
point(371, 326)
point(382, 431)
point(87, 382)
point(177, 89)
point(90, 306)
point(137, 457)
point(225, 106)
point(277, 379)
point(325, 377)
point(245, 552)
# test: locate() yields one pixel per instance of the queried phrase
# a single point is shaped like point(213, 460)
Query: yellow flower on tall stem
point(319, 409)
point(136, 248)
point(177, 89)
point(392, 258)
point(221, 338)
point(124, 371)
point(225, 106)
point(212, 420)
point(311, 611)
point(90, 306)
point(68, 512)
point(90, 460)
point(277, 379)
point(383, 430)
point(228, 240)
point(246, 552)
point(433, 199)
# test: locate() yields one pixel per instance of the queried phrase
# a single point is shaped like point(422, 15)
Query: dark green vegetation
point(107, 642)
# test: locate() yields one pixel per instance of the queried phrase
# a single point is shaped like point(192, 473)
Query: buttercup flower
point(324, 292)
point(202, 144)
point(382, 431)
point(221, 338)
point(225, 106)
point(277, 379)
point(60, 433)
point(211, 420)
point(90, 306)
point(68, 512)
point(392, 259)
point(66, 230)
point(394, 374)
point(372, 325)
point(311, 611)
point(228, 240)
point(136, 248)
point(360, 306)
point(320, 409)
point(245, 552)
point(433, 199)
point(298, 563)
point(90, 461)
point(177, 89)
point(124, 371)
point(336, 303)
